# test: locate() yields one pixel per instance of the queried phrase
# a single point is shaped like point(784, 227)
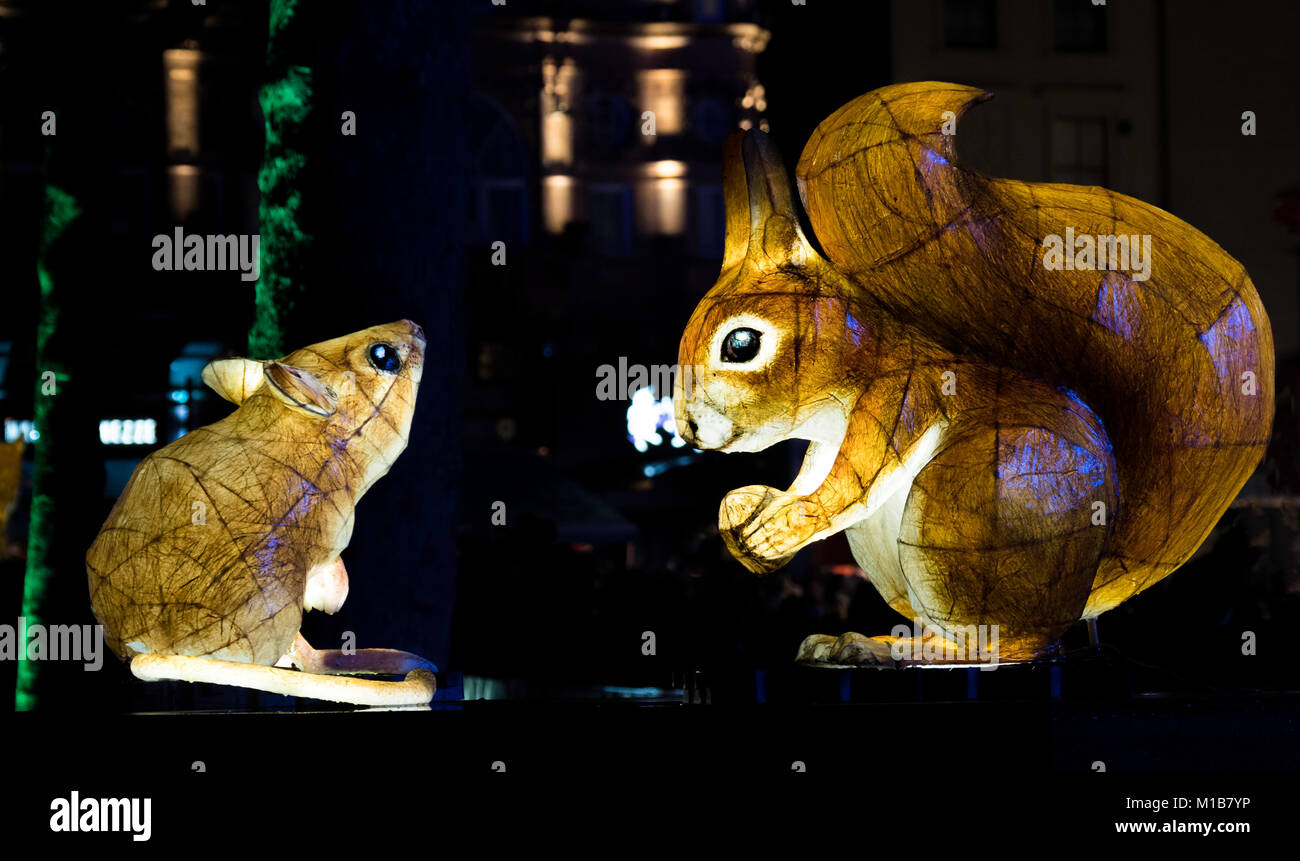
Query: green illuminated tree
point(52, 374)
point(286, 104)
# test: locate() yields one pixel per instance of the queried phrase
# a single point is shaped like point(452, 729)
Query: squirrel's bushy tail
point(1179, 365)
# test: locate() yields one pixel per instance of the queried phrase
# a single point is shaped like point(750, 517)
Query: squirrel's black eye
point(740, 346)
point(385, 358)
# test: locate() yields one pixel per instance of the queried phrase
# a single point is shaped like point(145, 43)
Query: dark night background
point(520, 124)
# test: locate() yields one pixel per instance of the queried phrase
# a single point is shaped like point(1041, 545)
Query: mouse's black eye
point(385, 358)
point(740, 346)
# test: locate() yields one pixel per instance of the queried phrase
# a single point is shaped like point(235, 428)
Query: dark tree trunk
point(388, 246)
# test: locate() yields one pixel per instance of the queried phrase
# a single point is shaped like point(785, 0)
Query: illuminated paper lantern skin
point(1002, 442)
point(224, 537)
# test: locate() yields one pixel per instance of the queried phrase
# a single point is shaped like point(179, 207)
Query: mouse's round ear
point(233, 379)
point(299, 389)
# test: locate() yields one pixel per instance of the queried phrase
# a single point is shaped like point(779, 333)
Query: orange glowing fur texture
point(1005, 442)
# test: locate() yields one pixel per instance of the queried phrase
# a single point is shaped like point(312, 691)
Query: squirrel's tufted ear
point(735, 197)
point(233, 379)
point(762, 223)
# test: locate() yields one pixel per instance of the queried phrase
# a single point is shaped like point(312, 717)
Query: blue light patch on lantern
point(1227, 340)
point(1117, 308)
point(1032, 468)
point(855, 329)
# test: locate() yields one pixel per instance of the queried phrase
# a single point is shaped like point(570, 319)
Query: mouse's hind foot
point(356, 662)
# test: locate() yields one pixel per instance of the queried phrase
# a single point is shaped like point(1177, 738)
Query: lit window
point(558, 198)
point(663, 91)
point(182, 102)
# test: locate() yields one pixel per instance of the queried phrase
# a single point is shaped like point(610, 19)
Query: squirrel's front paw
point(847, 650)
point(764, 527)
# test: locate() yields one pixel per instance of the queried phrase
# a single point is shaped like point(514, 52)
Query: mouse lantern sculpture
point(224, 537)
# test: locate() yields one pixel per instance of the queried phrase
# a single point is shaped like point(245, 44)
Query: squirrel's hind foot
point(847, 650)
point(856, 650)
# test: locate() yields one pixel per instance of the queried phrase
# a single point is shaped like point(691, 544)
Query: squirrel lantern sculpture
point(1013, 429)
point(225, 536)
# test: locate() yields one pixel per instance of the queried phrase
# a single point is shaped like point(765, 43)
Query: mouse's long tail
point(417, 688)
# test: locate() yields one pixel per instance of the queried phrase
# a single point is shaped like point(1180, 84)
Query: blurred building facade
point(1084, 95)
point(596, 135)
point(613, 121)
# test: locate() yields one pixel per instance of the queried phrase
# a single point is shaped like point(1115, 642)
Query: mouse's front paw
point(764, 527)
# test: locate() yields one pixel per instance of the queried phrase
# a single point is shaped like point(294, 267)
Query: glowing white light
point(20, 430)
point(647, 416)
point(128, 432)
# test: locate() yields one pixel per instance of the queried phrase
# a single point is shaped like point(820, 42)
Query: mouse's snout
point(417, 331)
